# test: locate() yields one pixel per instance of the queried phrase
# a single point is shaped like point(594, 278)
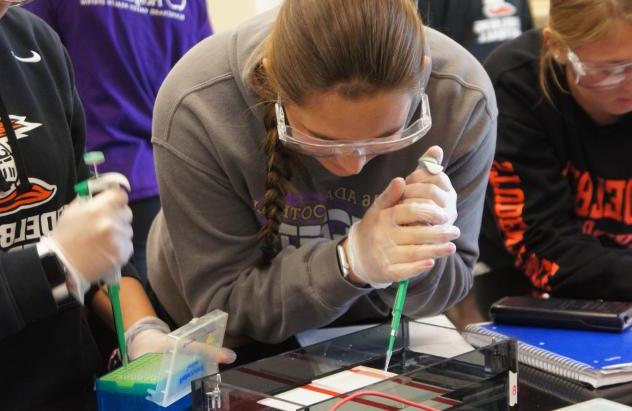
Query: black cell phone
point(563, 313)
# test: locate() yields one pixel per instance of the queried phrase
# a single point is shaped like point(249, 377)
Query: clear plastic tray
point(316, 377)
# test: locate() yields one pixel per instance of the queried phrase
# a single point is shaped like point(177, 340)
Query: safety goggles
point(14, 3)
point(599, 76)
point(318, 147)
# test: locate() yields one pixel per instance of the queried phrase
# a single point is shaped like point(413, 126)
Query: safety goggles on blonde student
point(599, 76)
point(318, 147)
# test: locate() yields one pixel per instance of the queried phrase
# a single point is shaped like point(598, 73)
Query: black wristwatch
point(54, 270)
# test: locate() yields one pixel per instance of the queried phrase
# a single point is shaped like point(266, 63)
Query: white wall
point(540, 10)
point(226, 14)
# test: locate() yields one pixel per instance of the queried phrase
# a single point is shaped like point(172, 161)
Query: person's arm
point(214, 234)
point(144, 331)
point(25, 291)
point(534, 208)
point(134, 302)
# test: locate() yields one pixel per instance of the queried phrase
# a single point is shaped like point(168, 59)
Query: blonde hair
point(576, 23)
point(354, 47)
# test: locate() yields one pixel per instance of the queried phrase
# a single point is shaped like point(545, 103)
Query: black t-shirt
point(478, 25)
point(559, 202)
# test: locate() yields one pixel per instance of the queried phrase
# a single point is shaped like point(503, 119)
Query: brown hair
point(353, 47)
point(576, 23)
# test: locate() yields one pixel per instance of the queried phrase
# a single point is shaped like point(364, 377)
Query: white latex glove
point(150, 335)
point(390, 245)
point(429, 185)
point(94, 236)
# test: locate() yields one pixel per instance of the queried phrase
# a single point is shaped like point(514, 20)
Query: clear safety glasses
point(599, 76)
point(318, 147)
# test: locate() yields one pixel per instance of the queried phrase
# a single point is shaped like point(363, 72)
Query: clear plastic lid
point(191, 356)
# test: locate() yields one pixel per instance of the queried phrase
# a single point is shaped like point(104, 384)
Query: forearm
point(302, 289)
point(568, 263)
point(134, 302)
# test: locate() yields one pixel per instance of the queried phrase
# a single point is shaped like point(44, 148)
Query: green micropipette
point(398, 307)
point(433, 167)
point(94, 158)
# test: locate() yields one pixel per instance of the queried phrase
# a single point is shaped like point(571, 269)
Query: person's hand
point(389, 244)
point(94, 236)
point(150, 335)
point(433, 187)
point(429, 185)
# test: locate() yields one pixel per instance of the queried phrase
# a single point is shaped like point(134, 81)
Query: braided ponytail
point(277, 185)
point(280, 166)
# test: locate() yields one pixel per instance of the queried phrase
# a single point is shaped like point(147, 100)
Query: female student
point(559, 207)
point(50, 244)
point(286, 154)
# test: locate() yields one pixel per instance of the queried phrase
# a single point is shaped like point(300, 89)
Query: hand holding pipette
point(387, 245)
point(120, 242)
point(91, 237)
point(419, 187)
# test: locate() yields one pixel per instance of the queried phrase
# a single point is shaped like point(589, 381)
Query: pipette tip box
point(159, 381)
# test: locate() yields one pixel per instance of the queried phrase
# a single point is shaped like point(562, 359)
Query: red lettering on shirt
point(509, 201)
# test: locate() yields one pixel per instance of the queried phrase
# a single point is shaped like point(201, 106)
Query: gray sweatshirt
point(203, 246)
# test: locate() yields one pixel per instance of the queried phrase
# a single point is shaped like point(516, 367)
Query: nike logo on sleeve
point(34, 58)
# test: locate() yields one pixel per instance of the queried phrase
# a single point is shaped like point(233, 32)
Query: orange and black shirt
point(559, 200)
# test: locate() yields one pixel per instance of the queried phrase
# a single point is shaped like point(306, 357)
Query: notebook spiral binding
point(538, 357)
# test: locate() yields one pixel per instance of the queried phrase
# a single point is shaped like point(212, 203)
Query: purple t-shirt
point(121, 51)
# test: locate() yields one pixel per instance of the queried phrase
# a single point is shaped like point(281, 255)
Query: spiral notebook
point(596, 358)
